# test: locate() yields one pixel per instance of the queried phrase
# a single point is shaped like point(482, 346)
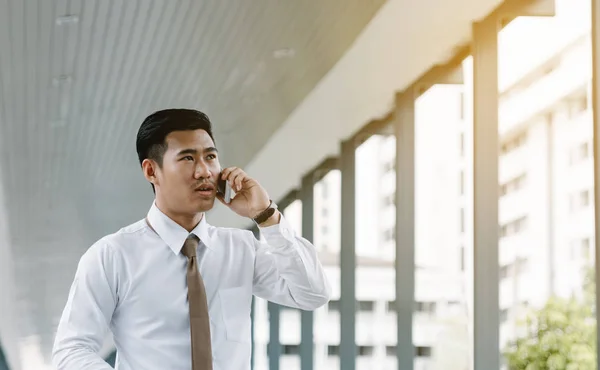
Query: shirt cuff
point(279, 234)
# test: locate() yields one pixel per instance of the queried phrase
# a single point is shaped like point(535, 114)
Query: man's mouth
point(205, 189)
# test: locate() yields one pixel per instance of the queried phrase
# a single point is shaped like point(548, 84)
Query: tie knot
point(190, 245)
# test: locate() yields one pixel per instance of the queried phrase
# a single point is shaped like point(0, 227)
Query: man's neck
point(187, 221)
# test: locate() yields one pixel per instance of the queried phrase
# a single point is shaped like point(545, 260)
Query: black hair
point(152, 134)
point(151, 137)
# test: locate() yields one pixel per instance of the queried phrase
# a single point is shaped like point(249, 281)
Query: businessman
point(175, 291)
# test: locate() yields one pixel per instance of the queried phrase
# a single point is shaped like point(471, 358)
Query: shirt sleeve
point(287, 270)
point(90, 305)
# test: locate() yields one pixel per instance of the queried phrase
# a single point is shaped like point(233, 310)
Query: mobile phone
point(224, 189)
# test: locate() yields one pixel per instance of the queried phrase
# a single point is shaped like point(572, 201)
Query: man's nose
point(202, 170)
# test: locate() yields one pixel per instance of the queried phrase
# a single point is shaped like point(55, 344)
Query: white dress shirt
point(133, 282)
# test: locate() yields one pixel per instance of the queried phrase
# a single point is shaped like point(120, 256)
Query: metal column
point(307, 318)
point(596, 130)
point(256, 233)
point(405, 227)
point(3, 360)
point(274, 349)
point(485, 202)
point(252, 331)
point(348, 258)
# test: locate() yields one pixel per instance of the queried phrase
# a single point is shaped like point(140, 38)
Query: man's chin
point(204, 205)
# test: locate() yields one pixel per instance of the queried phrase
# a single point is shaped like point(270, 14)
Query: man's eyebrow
point(211, 149)
point(187, 151)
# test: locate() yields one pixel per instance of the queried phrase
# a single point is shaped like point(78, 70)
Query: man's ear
point(150, 168)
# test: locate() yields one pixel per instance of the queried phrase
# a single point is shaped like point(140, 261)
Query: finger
point(239, 180)
point(235, 179)
point(226, 173)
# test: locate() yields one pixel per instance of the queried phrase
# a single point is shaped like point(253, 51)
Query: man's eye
point(211, 156)
point(188, 158)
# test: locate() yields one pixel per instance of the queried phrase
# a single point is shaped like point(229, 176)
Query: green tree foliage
point(559, 336)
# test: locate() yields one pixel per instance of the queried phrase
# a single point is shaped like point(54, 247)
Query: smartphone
point(224, 189)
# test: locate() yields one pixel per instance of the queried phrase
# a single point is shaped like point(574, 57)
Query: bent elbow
point(319, 299)
point(59, 357)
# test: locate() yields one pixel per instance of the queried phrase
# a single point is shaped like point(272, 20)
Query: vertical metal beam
point(596, 130)
point(348, 258)
point(252, 331)
point(405, 227)
point(274, 349)
point(550, 147)
point(3, 360)
point(307, 318)
point(485, 202)
point(256, 233)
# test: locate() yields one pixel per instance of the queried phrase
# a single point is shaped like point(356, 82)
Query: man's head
point(178, 156)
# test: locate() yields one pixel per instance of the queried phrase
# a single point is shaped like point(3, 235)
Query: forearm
point(85, 320)
point(77, 356)
point(288, 270)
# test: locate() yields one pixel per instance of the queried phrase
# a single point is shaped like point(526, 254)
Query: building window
point(423, 351)
point(580, 152)
point(578, 105)
point(513, 185)
point(586, 250)
point(462, 144)
point(389, 234)
point(503, 315)
point(420, 351)
point(521, 265)
point(389, 200)
point(461, 101)
point(389, 166)
point(291, 349)
point(581, 249)
point(505, 271)
point(365, 351)
point(462, 258)
point(391, 306)
point(324, 190)
point(514, 143)
point(333, 305)
point(580, 200)
point(333, 350)
point(365, 306)
point(462, 220)
point(425, 307)
point(513, 227)
point(462, 182)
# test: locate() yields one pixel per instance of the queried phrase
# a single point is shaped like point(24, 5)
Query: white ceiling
point(78, 77)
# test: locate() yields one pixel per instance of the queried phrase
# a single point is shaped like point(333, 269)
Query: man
point(175, 291)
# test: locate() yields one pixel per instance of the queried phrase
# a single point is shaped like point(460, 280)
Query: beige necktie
point(199, 322)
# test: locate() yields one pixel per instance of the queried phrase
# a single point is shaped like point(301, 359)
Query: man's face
point(187, 181)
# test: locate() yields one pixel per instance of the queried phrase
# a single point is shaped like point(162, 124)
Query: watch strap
point(266, 214)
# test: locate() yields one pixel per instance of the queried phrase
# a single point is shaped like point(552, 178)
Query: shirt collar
point(172, 233)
